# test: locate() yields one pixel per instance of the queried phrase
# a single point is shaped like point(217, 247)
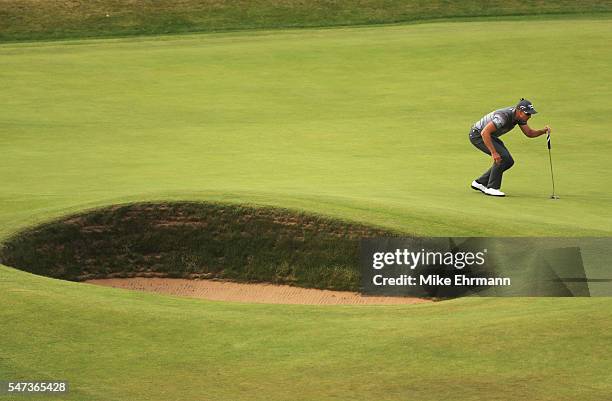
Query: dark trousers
point(492, 178)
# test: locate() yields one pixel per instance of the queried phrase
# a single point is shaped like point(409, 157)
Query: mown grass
point(365, 124)
point(60, 19)
point(120, 345)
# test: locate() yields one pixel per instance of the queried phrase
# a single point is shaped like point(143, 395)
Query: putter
point(552, 175)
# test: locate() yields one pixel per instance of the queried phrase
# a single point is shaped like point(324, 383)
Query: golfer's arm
point(531, 133)
point(486, 137)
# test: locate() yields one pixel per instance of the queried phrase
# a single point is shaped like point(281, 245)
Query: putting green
point(365, 124)
point(368, 124)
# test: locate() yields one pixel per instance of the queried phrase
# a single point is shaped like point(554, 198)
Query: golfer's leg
point(484, 178)
point(479, 143)
point(497, 170)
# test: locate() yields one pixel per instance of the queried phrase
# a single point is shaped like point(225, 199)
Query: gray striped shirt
point(503, 119)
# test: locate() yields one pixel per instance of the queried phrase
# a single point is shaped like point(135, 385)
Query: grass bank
point(195, 240)
point(60, 19)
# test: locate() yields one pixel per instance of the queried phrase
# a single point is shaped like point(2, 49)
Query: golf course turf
point(368, 125)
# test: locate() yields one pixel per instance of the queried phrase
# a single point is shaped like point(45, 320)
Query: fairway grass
point(368, 125)
point(122, 345)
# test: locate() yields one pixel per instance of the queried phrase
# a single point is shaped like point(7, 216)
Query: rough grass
point(58, 19)
point(195, 240)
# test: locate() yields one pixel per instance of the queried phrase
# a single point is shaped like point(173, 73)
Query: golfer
point(485, 136)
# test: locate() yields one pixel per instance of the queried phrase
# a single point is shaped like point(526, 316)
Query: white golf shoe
point(494, 192)
point(478, 186)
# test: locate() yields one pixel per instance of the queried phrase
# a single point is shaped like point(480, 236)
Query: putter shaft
point(552, 174)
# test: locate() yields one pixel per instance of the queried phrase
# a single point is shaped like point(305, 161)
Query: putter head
point(555, 197)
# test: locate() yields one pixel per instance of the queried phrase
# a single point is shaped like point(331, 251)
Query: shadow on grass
point(194, 240)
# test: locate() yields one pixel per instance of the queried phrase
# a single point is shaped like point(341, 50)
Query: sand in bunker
point(240, 292)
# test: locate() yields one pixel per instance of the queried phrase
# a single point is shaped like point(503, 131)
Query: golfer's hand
point(496, 158)
point(547, 129)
